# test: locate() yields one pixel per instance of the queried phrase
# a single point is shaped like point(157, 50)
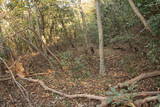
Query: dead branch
point(138, 103)
point(103, 100)
point(138, 78)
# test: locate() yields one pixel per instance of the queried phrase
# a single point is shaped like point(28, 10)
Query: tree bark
point(39, 25)
point(139, 15)
point(100, 32)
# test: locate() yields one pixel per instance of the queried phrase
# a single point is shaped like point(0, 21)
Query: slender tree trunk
point(101, 44)
point(67, 35)
point(84, 27)
point(39, 25)
point(139, 15)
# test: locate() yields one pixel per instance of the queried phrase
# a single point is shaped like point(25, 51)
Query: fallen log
point(139, 103)
point(138, 78)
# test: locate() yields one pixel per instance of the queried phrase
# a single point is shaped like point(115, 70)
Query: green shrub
point(154, 51)
point(113, 93)
point(155, 23)
point(76, 65)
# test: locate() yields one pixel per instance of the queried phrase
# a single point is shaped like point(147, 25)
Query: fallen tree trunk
point(139, 15)
point(138, 78)
point(139, 103)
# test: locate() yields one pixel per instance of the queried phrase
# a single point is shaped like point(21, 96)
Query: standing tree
point(100, 32)
point(84, 26)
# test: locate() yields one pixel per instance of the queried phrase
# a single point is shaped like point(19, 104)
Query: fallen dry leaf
point(20, 70)
point(84, 83)
point(50, 71)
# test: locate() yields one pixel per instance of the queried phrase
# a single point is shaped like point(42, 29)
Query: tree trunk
point(68, 37)
point(101, 44)
point(39, 25)
point(84, 27)
point(140, 16)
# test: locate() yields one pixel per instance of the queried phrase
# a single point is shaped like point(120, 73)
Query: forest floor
point(120, 66)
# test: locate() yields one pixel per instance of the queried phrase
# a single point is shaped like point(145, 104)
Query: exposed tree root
point(138, 78)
